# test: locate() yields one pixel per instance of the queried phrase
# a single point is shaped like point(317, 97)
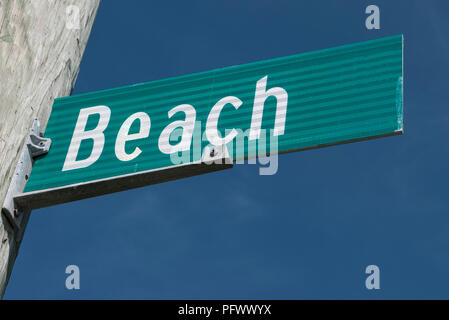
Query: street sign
point(117, 139)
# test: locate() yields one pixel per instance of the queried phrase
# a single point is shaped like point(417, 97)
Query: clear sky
point(307, 232)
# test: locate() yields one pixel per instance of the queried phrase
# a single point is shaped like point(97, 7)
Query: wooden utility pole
point(41, 46)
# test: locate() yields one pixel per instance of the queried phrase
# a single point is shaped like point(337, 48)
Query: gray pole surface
point(41, 46)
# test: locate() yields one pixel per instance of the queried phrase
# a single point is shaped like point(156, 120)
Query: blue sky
point(307, 232)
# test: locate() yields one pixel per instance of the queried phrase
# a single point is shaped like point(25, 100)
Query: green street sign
point(117, 139)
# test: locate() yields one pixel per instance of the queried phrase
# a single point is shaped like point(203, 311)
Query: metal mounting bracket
point(35, 145)
point(216, 154)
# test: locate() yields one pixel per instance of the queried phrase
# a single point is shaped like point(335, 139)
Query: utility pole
point(41, 46)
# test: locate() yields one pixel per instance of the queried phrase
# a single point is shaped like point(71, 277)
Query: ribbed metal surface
point(335, 95)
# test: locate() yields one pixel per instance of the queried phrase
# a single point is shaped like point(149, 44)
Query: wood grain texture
point(39, 60)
